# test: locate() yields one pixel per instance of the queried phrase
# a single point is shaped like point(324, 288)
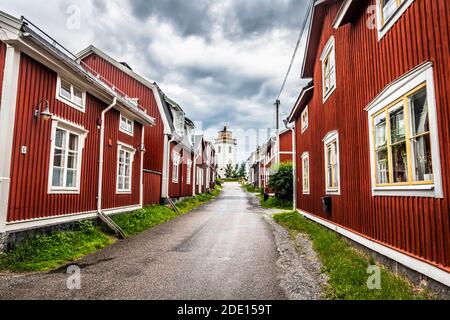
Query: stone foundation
point(3, 242)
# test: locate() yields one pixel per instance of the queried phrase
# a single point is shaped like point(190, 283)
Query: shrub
point(281, 182)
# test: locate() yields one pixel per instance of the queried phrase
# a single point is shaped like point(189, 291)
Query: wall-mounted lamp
point(46, 114)
point(142, 148)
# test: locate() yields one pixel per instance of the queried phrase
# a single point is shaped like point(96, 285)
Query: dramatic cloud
point(223, 61)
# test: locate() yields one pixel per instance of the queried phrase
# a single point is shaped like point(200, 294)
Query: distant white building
point(226, 151)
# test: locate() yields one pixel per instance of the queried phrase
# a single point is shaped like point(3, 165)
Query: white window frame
point(176, 161)
point(128, 122)
point(305, 123)
point(69, 127)
point(329, 139)
point(126, 148)
point(400, 87)
point(329, 52)
point(70, 102)
point(189, 172)
point(306, 174)
point(385, 26)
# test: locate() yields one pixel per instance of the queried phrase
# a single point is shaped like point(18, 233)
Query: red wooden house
point(372, 143)
point(66, 155)
point(169, 152)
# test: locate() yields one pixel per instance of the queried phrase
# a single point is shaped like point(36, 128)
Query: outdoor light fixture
point(46, 114)
point(142, 148)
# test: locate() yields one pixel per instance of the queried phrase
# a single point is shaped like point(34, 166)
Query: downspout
point(101, 154)
point(294, 164)
point(196, 156)
point(141, 196)
point(166, 178)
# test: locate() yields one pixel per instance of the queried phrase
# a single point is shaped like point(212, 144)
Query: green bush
point(281, 182)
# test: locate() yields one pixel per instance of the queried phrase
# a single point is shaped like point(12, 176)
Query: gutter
point(101, 155)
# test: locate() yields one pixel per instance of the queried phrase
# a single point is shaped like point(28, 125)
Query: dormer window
point(70, 94)
point(179, 121)
point(328, 69)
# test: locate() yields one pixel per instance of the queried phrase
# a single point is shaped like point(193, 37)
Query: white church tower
point(225, 147)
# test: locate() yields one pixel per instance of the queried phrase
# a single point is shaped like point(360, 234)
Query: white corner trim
point(383, 29)
point(7, 121)
point(341, 14)
point(398, 88)
point(422, 267)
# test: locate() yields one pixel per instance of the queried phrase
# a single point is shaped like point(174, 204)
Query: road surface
point(222, 250)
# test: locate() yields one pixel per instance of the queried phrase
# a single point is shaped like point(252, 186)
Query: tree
point(282, 182)
point(242, 172)
point(229, 171)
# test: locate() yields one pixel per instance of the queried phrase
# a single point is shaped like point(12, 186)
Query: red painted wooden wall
point(416, 226)
point(29, 198)
point(153, 136)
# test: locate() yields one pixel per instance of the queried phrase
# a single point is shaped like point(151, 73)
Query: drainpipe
point(165, 186)
point(197, 155)
point(101, 154)
point(294, 163)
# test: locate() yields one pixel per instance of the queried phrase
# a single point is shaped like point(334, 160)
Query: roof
point(347, 11)
point(303, 99)
point(27, 35)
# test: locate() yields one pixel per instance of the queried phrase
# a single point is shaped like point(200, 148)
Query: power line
point(297, 46)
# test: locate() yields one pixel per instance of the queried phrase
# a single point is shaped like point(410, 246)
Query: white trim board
point(412, 263)
point(52, 221)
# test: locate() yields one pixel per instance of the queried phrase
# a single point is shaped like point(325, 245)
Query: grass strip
point(346, 267)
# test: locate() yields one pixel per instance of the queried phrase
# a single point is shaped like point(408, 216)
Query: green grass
point(275, 203)
point(346, 267)
point(46, 252)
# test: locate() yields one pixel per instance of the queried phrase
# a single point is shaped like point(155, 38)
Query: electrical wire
point(297, 46)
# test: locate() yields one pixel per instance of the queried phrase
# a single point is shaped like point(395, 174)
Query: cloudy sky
point(222, 60)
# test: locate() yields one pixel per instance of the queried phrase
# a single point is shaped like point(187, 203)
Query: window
point(332, 175)
point(124, 168)
point(405, 149)
point(189, 171)
point(126, 125)
point(71, 95)
point(179, 121)
point(388, 12)
point(176, 160)
point(304, 119)
point(328, 69)
point(65, 158)
point(305, 173)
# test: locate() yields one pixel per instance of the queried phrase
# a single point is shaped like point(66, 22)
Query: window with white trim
point(65, 159)
point(126, 125)
point(176, 160)
point(388, 12)
point(124, 168)
point(189, 172)
point(70, 94)
point(305, 173)
point(304, 119)
point(179, 121)
point(328, 59)
point(332, 174)
point(404, 139)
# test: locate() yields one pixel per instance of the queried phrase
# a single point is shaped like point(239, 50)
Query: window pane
point(382, 166)
point(127, 170)
point(120, 183)
point(60, 138)
point(127, 184)
point(397, 121)
point(380, 131)
point(419, 112)
point(121, 156)
point(423, 165)
point(400, 163)
point(389, 8)
point(72, 161)
point(58, 158)
point(57, 179)
point(73, 142)
point(78, 96)
point(71, 181)
point(65, 90)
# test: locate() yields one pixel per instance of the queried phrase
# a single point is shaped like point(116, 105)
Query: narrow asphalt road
point(223, 250)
